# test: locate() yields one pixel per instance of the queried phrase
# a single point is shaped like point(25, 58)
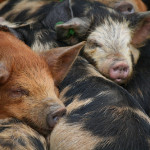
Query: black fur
point(139, 85)
point(49, 12)
point(48, 15)
point(107, 115)
point(36, 143)
point(147, 2)
point(15, 135)
point(8, 7)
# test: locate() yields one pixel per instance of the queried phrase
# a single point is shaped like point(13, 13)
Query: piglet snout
point(125, 7)
point(119, 72)
point(53, 118)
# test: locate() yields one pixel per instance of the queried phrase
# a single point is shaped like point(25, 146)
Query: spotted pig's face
point(109, 47)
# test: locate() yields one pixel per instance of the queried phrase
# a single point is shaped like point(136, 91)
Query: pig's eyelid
point(94, 43)
point(21, 91)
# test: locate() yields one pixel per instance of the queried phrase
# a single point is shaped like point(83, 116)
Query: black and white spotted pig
point(41, 32)
point(113, 42)
point(21, 11)
point(101, 115)
point(113, 46)
point(112, 39)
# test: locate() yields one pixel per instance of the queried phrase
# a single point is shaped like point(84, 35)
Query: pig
point(22, 11)
point(36, 27)
point(100, 114)
point(113, 47)
point(112, 40)
point(126, 6)
point(46, 32)
point(28, 82)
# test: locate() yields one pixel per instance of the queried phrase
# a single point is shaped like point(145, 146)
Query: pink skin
point(119, 72)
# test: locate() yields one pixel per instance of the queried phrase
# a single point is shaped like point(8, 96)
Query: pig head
point(28, 82)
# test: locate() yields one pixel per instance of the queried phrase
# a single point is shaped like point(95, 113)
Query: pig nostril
point(56, 119)
point(125, 69)
point(116, 69)
point(122, 69)
point(119, 72)
point(53, 118)
point(129, 9)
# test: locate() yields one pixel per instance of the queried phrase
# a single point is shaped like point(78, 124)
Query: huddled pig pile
point(74, 75)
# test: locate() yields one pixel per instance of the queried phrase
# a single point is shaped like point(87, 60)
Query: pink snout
point(53, 118)
point(125, 8)
point(119, 72)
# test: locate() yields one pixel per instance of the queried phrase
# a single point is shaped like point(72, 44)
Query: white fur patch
point(111, 41)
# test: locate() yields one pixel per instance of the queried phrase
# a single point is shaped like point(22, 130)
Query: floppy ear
point(141, 28)
point(73, 30)
point(124, 7)
point(4, 73)
point(61, 59)
point(13, 31)
point(129, 7)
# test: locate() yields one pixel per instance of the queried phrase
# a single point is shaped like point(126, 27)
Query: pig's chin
point(121, 80)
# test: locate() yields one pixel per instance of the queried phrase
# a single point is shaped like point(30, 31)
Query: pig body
point(15, 135)
point(26, 11)
point(125, 64)
point(101, 115)
point(138, 86)
point(21, 11)
point(38, 25)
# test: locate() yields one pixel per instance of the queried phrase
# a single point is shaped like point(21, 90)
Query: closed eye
point(19, 92)
point(93, 44)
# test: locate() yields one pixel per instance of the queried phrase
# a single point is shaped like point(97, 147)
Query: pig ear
point(72, 31)
point(61, 59)
point(127, 7)
point(13, 31)
point(124, 7)
point(4, 73)
point(141, 31)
